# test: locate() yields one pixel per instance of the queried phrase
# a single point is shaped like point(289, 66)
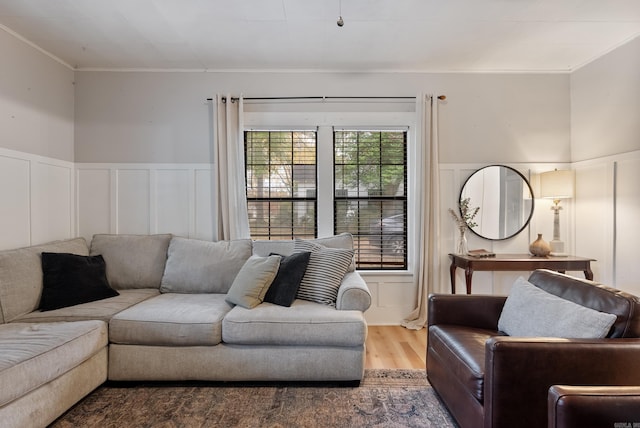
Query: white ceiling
point(378, 35)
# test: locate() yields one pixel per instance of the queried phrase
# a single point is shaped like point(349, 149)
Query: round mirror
point(504, 198)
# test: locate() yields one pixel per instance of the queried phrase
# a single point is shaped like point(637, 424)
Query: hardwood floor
point(395, 347)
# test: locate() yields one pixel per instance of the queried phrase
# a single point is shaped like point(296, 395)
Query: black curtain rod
point(233, 99)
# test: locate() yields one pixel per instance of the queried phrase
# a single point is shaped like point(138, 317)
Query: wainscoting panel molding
point(144, 199)
point(627, 230)
point(37, 195)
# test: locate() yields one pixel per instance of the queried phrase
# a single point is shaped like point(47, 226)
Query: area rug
point(385, 398)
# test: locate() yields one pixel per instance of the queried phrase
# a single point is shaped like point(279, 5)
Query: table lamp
point(556, 185)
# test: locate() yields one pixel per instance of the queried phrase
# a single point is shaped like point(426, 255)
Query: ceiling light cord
point(340, 20)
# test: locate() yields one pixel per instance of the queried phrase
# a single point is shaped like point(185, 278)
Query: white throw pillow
point(325, 271)
point(532, 312)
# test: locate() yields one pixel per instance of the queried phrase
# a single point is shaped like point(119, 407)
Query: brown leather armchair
point(487, 379)
point(593, 406)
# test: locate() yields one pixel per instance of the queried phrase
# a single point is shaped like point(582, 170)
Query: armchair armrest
point(353, 293)
point(480, 311)
point(605, 406)
point(520, 371)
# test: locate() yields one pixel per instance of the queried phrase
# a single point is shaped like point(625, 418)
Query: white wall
point(144, 199)
point(605, 146)
point(36, 146)
point(38, 199)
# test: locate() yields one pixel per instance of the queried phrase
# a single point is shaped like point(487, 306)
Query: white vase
point(461, 243)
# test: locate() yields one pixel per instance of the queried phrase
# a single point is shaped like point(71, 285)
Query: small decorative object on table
point(463, 221)
point(481, 253)
point(540, 247)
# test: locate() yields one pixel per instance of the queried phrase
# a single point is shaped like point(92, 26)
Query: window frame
point(288, 116)
point(269, 199)
point(380, 251)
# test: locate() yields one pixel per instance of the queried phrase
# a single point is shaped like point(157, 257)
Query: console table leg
point(468, 273)
point(452, 272)
point(588, 273)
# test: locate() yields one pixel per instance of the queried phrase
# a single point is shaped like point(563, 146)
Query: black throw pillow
point(70, 279)
point(285, 285)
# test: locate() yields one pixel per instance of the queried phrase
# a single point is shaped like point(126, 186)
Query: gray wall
point(36, 101)
point(163, 118)
point(605, 105)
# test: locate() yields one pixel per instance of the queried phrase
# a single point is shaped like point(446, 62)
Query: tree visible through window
point(370, 195)
point(281, 184)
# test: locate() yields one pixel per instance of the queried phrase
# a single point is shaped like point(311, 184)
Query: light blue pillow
point(532, 312)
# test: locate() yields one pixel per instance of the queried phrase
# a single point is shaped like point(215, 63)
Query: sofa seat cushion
point(303, 323)
point(35, 354)
point(171, 319)
point(464, 350)
point(102, 310)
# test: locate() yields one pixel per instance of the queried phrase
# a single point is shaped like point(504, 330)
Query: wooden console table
point(515, 262)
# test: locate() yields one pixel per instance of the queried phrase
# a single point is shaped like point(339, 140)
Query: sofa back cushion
point(21, 275)
point(286, 248)
point(195, 266)
point(596, 296)
point(133, 261)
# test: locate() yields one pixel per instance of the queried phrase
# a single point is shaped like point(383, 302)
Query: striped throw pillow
point(326, 268)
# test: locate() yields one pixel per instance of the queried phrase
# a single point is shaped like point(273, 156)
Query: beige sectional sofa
point(172, 319)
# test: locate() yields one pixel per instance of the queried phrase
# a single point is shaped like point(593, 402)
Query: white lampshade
point(556, 184)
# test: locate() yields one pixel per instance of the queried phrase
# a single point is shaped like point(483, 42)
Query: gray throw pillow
point(195, 266)
point(325, 271)
point(252, 282)
point(532, 312)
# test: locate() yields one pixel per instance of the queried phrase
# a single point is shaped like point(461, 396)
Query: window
point(281, 184)
point(370, 195)
point(293, 191)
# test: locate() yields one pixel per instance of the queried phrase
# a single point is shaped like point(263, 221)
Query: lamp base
point(557, 248)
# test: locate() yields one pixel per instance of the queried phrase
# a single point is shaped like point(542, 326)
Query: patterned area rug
point(385, 398)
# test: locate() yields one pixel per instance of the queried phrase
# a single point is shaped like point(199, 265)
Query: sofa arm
point(353, 293)
point(479, 311)
point(520, 371)
point(602, 406)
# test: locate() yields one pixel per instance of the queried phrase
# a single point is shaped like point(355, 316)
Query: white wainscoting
point(37, 195)
point(144, 199)
point(608, 209)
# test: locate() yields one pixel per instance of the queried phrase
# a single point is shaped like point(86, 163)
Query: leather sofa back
point(595, 296)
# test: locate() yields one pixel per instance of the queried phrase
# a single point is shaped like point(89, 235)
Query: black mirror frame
point(533, 203)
